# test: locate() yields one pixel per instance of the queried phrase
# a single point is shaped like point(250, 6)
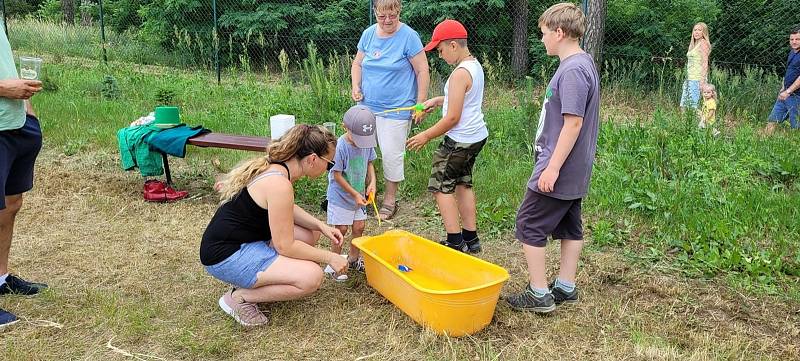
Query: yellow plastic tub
point(448, 291)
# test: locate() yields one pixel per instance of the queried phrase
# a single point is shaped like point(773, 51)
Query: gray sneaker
point(528, 301)
point(563, 297)
point(246, 313)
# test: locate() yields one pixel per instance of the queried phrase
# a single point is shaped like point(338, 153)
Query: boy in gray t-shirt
point(565, 146)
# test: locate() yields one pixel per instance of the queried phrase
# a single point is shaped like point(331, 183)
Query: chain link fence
point(250, 35)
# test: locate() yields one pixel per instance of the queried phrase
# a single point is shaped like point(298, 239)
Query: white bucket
point(279, 124)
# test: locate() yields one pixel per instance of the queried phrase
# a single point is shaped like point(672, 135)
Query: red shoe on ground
point(158, 191)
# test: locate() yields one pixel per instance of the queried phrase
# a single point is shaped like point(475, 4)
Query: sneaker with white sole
point(246, 313)
point(336, 277)
point(7, 318)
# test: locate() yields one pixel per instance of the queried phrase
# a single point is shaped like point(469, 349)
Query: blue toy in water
point(403, 268)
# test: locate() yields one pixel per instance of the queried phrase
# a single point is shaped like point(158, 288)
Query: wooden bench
point(220, 140)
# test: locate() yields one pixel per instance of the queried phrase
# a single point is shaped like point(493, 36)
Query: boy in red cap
point(465, 133)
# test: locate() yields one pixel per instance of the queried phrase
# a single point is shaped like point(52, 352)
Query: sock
point(3, 279)
point(564, 285)
point(469, 236)
point(455, 238)
point(539, 292)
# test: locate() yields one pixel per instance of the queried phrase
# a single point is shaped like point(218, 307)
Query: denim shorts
point(242, 267)
point(691, 94)
point(786, 109)
point(341, 216)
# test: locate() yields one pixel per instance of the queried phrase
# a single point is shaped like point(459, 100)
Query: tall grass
point(672, 193)
point(32, 35)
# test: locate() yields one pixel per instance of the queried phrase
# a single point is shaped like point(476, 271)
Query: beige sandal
point(388, 211)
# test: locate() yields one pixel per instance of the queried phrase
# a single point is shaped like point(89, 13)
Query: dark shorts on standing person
point(540, 216)
point(452, 165)
point(18, 151)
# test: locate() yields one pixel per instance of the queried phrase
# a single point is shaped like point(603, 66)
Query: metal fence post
point(103, 33)
point(216, 37)
point(371, 9)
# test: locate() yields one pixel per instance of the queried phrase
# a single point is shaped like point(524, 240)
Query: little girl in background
point(708, 112)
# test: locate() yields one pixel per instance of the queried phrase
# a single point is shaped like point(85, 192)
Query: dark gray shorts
point(540, 216)
point(18, 151)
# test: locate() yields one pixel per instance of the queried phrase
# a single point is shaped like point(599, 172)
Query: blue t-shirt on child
point(388, 80)
point(352, 161)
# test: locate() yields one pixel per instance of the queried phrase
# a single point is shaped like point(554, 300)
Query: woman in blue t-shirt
point(390, 71)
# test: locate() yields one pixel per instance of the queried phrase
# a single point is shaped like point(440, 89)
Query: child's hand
point(371, 191)
point(418, 141)
point(361, 200)
point(548, 180)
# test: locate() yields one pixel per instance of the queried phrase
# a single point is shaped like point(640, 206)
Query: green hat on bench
point(167, 117)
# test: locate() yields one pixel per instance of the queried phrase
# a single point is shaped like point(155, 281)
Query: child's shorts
point(452, 165)
point(540, 216)
point(241, 268)
point(340, 216)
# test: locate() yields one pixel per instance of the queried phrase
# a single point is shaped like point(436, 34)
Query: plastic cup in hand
point(29, 67)
point(330, 126)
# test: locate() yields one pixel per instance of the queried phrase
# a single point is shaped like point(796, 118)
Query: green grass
point(722, 205)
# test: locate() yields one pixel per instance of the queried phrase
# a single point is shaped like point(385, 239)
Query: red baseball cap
point(448, 29)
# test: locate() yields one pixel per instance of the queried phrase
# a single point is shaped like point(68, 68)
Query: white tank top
point(470, 128)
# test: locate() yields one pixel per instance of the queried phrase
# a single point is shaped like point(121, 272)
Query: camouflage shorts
point(452, 165)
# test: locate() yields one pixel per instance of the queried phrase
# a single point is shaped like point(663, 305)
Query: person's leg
point(358, 230)
point(778, 114)
point(448, 208)
point(285, 279)
point(306, 235)
point(467, 208)
point(8, 215)
point(537, 270)
point(793, 105)
point(392, 134)
point(338, 248)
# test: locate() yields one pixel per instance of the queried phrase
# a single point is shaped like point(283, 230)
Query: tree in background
point(595, 29)
point(519, 42)
point(68, 9)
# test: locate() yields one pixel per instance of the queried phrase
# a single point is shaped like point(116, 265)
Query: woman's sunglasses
point(330, 162)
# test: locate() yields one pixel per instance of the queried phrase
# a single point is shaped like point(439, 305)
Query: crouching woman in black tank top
point(259, 241)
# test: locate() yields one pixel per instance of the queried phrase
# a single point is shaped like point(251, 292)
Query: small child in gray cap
point(351, 180)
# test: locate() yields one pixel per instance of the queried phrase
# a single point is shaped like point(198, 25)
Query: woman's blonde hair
point(387, 5)
point(567, 16)
point(300, 141)
point(692, 43)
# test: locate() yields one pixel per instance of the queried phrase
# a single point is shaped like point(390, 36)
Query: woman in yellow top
point(696, 66)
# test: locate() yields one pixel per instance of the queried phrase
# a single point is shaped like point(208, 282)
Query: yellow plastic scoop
point(371, 199)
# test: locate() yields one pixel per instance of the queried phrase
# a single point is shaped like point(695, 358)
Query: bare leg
point(770, 128)
point(29, 107)
point(7, 217)
point(570, 253)
point(390, 195)
point(448, 208)
point(466, 207)
point(358, 231)
point(338, 248)
point(536, 265)
point(286, 279)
